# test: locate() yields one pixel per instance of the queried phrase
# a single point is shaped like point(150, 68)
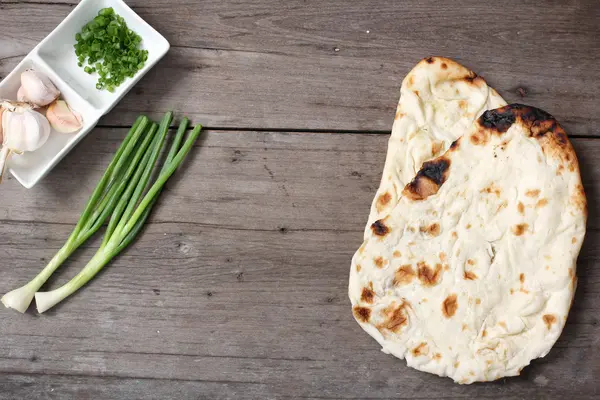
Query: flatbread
point(439, 100)
point(471, 274)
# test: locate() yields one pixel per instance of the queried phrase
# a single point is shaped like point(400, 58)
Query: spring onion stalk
point(99, 207)
point(108, 203)
point(128, 218)
point(173, 150)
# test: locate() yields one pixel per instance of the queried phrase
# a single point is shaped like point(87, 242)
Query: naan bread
point(471, 274)
point(439, 100)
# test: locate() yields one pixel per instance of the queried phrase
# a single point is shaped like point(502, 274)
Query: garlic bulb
point(37, 88)
point(23, 129)
point(62, 118)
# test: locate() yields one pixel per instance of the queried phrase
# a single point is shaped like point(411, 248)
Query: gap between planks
point(297, 130)
point(273, 130)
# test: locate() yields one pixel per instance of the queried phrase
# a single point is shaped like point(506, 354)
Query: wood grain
point(237, 288)
point(338, 65)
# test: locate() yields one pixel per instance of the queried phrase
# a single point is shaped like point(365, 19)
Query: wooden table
point(238, 287)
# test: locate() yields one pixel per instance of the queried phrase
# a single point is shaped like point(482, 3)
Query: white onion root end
point(19, 299)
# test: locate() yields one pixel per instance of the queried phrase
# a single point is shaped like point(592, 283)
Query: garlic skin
point(21, 95)
point(23, 129)
point(1, 135)
point(62, 118)
point(37, 88)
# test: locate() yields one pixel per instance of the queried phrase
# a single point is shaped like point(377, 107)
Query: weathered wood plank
point(248, 180)
point(67, 387)
point(216, 301)
point(312, 65)
point(92, 388)
point(245, 180)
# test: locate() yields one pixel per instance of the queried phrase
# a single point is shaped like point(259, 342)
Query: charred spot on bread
point(519, 229)
point(404, 275)
point(449, 306)
point(431, 230)
point(538, 121)
point(471, 77)
point(427, 275)
point(436, 147)
point(421, 350)
point(380, 262)
point(549, 320)
point(470, 276)
point(492, 189)
point(429, 179)
point(499, 120)
point(363, 314)
point(429, 60)
point(480, 137)
point(531, 115)
point(383, 200)
point(367, 295)
point(435, 170)
point(395, 317)
point(455, 145)
point(379, 228)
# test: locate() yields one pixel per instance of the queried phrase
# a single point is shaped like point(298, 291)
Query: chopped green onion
point(107, 42)
point(106, 11)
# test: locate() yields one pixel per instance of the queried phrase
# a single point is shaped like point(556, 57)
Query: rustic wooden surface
point(237, 287)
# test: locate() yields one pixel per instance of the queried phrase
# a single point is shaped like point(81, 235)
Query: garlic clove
point(37, 88)
point(21, 95)
point(62, 118)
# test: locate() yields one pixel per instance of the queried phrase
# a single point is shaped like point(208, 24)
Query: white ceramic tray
point(55, 57)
